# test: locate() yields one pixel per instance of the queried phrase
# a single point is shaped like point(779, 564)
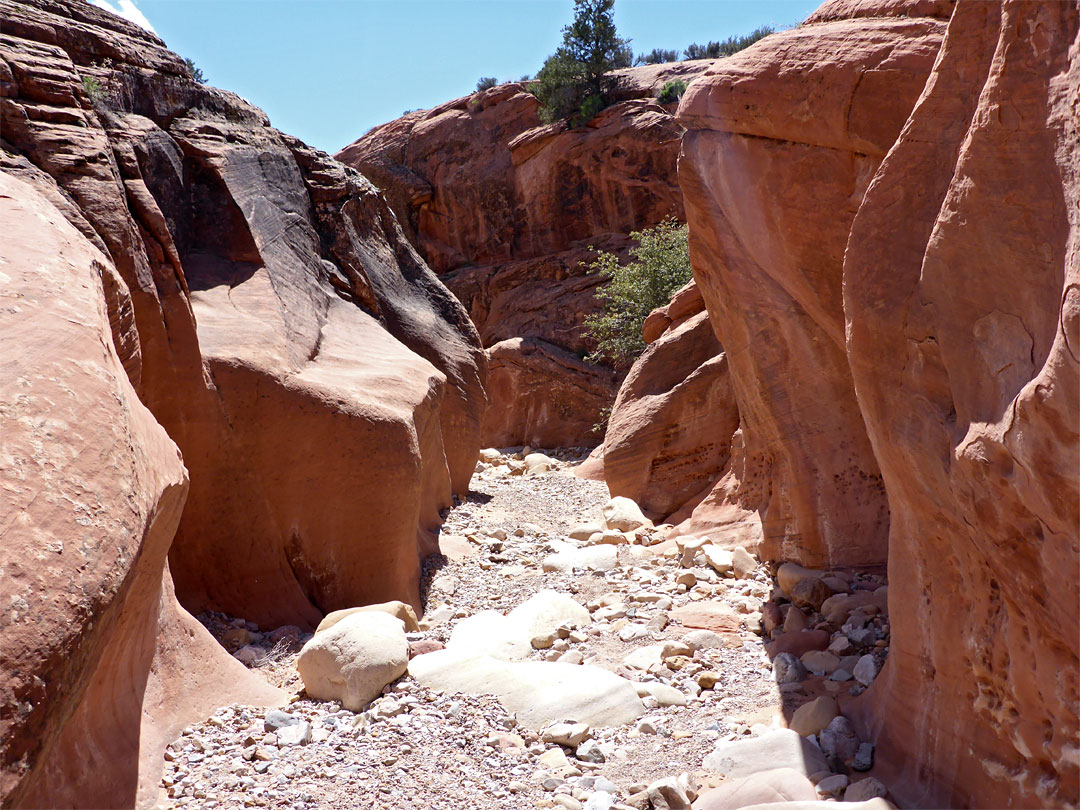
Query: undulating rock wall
point(782, 140)
point(92, 491)
point(896, 301)
point(260, 300)
point(506, 209)
point(962, 311)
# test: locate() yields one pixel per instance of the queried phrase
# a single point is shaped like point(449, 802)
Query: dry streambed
point(571, 655)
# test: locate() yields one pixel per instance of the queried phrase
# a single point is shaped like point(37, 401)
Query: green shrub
point(486, 83)
point(574, 83)
point(92, 88)
point(194, 71)
point(657, 56)
point(671, 91)
point(731, 45)
point(659, 265)
point(710, 50)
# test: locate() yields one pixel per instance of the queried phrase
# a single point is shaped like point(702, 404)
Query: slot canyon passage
point(313, 493)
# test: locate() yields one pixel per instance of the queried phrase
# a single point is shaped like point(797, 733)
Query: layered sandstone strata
point(506, 209)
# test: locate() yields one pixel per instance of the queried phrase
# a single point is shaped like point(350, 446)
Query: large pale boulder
point(354, 659)
point(539, 693)
point(398, 610)
point(764, 787)
point(622, 514)
point(963, 320)
point(509, 637)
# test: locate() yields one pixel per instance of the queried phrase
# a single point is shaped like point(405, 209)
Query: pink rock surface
point(239, 273)
point(507, 209)
point(543, 396)
point(666, 444)
point(960, 288)
point(782, 141)
point(99, 665)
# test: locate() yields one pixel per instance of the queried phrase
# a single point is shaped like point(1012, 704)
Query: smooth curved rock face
point(539, 693)
point(327, 402)
point(99, 666)
point(665, 444)
point(779, 748)
point(399, 610)
point(544, 396)
point(963, 318)
point(782, 141)
point(507, 210)
point(324, 387)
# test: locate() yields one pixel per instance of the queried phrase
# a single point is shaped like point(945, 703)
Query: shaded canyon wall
point(197, 283)
point(883, 211)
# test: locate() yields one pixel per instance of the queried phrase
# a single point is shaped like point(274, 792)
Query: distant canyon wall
point(506, 209)
point(781, 143)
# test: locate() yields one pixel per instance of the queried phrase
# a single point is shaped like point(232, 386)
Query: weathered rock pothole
point(702, 692)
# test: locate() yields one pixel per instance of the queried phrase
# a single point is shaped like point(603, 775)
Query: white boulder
point(353, 660)
point(510, 637)
point(623, 515)
point(539, 693)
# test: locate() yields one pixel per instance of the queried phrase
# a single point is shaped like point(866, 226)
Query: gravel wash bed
point(415, 748)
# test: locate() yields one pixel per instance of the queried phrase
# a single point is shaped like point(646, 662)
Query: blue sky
point(329, 70)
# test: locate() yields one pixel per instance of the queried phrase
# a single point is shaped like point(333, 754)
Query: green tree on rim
point(574, 81)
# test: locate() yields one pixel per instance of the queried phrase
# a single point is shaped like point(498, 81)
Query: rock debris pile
point(572, 655)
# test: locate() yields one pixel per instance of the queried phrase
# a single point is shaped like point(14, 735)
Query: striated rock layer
point(506, 209)
point(782, 140)
point(325, 389)
point(962, 301)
